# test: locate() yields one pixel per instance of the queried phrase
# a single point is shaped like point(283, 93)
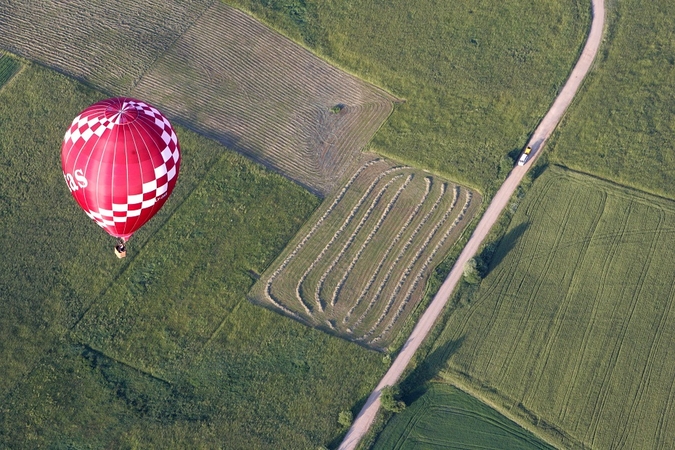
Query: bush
point(389, 400)
point(345, 418)
point(472, 273)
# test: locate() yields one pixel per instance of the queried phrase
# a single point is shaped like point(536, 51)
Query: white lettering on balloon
point(76, 183)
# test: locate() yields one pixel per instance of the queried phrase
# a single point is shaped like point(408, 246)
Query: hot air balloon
point(120, 159)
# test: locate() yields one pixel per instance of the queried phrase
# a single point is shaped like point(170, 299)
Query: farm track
point(426, 322)
point(339, 262)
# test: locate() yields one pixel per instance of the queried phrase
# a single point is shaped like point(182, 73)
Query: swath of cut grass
point(571, 328)
point(446, 418)
point(361, 265)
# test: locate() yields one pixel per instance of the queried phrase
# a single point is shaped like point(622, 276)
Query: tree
point(389, 400)
point(472, 272)
point(345, 418)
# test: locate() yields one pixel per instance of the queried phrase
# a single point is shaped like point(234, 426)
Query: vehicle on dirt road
point(525, 156)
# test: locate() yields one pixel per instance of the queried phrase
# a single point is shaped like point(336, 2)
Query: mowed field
point(214, 70)
point(360, 265)
point(162, 349)
point(446, 418)
point(622, 127)
point(476, 75)
point(573, 327)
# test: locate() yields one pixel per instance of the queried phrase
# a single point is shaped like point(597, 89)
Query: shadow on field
point(414, 385)
point(494, 253)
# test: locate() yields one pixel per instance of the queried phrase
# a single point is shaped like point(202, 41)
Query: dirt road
point(365, 418)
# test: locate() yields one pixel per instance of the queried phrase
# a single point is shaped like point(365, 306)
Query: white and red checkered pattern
point(120, 159)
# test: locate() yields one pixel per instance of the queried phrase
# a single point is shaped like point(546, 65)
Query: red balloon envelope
point(120, 159)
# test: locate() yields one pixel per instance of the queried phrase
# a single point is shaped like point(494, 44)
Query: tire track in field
point(558, 320)
point(534, 294)
point(517, 255)
point(591, 322)
point(600, 399)
point(663, 422)
point(503, 286)
point(646, 370)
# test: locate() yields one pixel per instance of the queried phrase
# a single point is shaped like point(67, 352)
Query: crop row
point(373, 242)
point(400, 257)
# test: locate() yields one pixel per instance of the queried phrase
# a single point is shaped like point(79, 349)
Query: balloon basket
point(121, 250)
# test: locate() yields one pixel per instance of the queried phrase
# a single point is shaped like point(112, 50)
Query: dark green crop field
point(573, 326)
point(446, 418)
point(162, 349)
point(476, 76)
point(622, 127)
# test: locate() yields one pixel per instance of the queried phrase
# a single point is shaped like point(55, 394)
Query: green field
point(573, 325)
point(360, 265)
point(444, 417)
point(8, 67)
point(476, 76)
point(161, 349)
point(622, 126)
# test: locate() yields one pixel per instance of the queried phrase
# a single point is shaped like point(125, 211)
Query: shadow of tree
point(414, 385)
point(494, 253)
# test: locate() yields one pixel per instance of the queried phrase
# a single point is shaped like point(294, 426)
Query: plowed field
point(361, 264)
point(575, 323)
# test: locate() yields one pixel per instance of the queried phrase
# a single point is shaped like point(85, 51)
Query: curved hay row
point(337, 234)
point(413, 262)
point(355, 233)
point(368, 239)
point(391, 247)
point(425, 266)
point(399, 257)
point(301, 244)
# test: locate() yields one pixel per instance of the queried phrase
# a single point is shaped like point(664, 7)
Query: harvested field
point(8, 67)
point(213, 69)
point(361, 264)
point(109, 44)
point(446, 418)
point(573, 326)
point(257, 92)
